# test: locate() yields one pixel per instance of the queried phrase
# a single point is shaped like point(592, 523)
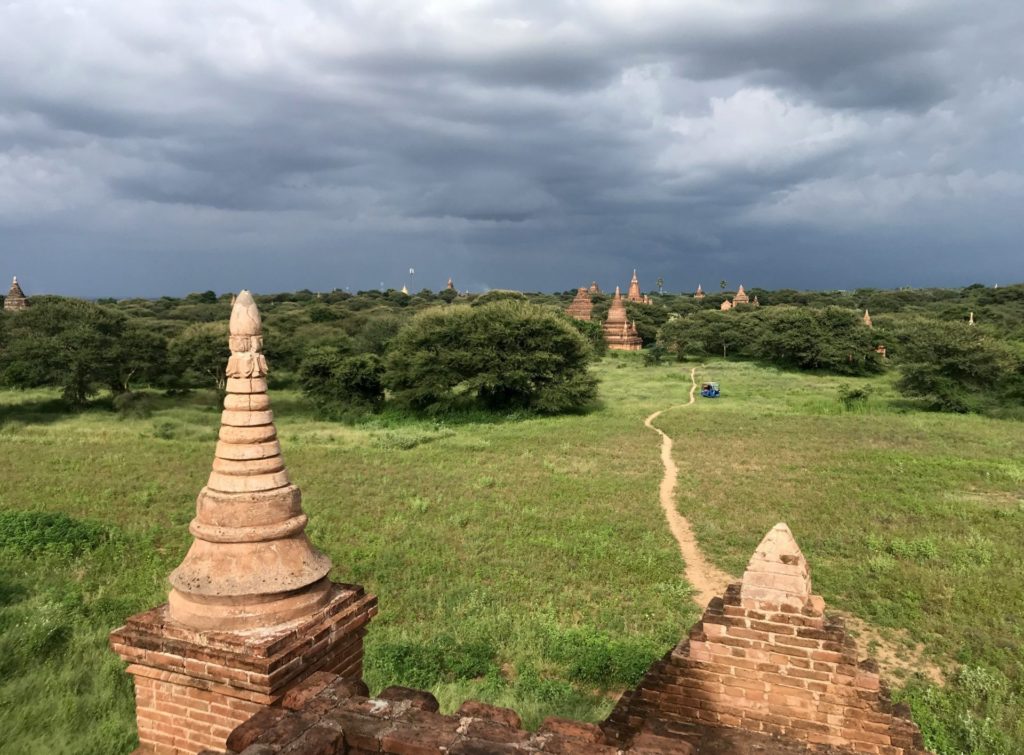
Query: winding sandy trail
point(707, 580)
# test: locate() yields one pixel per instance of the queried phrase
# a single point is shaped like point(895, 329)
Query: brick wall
point(194, 687)
point(766, 658)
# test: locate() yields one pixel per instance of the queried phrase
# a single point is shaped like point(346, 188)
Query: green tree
point(503, 355)
point(200, 353)
point(67, 343)
point(832, 339)
point(339, 385)
point(141, 356)
point(954, 366)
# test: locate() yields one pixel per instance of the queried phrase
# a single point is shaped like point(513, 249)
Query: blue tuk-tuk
point(709, 390)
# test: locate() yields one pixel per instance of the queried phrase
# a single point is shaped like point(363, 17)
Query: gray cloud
point(157, 149)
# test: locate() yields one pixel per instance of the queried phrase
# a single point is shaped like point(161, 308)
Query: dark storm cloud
point(533, 145)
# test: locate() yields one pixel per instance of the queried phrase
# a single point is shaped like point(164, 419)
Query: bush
point(134, 405)
point(655, 355)
point(504, 355)
point(593, 332)
point(341, 386)
point(853, 398)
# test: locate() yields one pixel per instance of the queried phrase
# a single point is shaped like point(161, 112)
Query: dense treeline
point(341, 348)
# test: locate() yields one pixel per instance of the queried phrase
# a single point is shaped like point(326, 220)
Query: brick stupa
point(15, 301)
point(450, 286)
point(740, 297)
point(699, 293)
point(867, 319)
point(633, 294)
point(251, 612)
point(619, 333)
point(765, 658)
point(594, 288)
point(581, 306)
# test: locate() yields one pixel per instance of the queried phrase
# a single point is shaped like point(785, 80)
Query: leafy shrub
point(131, 404)
point(853, 398)
point(655, 355)
point(33, 531)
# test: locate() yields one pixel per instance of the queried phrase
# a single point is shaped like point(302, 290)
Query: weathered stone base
point(193, 687)
point(624, 346)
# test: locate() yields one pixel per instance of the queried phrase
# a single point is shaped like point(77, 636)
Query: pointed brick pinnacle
point(251, 564)
point(777, 572)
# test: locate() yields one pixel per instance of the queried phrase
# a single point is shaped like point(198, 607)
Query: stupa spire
point(251, 564)
point(15, 299)
point(634, 294)
point(867, 319)
point(777, 573)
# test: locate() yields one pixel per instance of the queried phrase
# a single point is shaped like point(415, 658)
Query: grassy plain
point(526, 561)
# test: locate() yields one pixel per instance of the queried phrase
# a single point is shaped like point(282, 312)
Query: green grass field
point(526, 561)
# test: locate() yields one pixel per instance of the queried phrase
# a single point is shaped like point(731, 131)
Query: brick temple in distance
point(619, 332)
point(257, 652)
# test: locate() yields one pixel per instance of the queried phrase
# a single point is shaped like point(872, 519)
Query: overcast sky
point(155, 147)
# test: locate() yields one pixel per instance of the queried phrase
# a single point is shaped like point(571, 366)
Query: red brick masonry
point(780, 670)
point(193, 687)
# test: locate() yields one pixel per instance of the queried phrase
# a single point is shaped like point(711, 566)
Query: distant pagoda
point(726, 305)
point(581, 306)
point(594, 288)
point(867, 319)
point(450, 286)
point(740, 297)
point(619, 333)
point(634, 294)
point(16, 300)
point(699, 293)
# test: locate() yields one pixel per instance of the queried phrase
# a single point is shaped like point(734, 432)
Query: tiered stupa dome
point(251, 564)
point(15, 299)
point(619, 332)
point(581, 306)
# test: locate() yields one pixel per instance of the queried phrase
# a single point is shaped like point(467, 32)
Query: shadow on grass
point(37, 412)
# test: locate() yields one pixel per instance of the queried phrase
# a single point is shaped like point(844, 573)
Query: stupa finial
point(777, 572)
point(251, 564)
